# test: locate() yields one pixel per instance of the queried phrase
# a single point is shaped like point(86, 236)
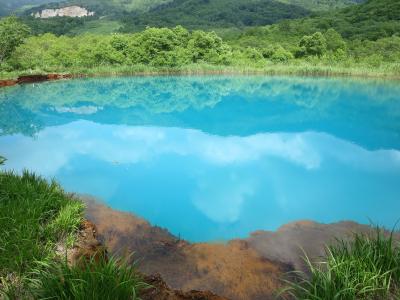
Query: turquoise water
point(214, 158)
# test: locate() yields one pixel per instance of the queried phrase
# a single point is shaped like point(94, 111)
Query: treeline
point(178, 47)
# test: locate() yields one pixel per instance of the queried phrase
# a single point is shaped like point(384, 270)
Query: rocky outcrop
point(69, 11)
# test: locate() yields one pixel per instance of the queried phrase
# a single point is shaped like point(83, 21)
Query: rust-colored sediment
point(244, 269)
point(33, 79)
point(4, 83)
point(89, 247)
point(232, 270)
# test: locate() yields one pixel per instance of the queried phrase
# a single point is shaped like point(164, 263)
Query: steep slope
point(215, 13)
point(101, 6)
point(321, 5)
point(372, 20)
point(7, 6)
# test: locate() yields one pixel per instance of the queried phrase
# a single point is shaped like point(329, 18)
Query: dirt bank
point(33, 79)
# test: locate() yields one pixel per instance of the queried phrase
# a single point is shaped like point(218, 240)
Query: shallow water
point(214, 158)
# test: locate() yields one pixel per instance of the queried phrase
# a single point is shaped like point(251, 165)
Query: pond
point(211, 158)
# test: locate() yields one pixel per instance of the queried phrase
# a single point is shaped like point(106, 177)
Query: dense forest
point(217, 13)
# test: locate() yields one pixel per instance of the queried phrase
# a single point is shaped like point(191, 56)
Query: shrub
point(312, 45)
point(12, 34)
point(280, 54)
point(334, 41)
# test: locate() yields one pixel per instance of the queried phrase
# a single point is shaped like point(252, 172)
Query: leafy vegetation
point(12, 34)
point(366, 268)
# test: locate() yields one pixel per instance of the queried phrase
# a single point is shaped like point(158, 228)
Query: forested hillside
point(8, 6)
point(373, 20)
point(135, 15)
point(321, 5)
point(215, 13)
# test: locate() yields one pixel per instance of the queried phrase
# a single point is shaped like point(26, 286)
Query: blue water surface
point(214, 157)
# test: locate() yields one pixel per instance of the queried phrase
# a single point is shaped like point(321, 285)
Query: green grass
point(35, 215)
point(366, 268)
point(104, 279)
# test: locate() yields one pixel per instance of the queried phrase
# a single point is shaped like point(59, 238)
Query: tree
point(312, 45)
point(12, 34)
point(280, 54)
point(334, 40)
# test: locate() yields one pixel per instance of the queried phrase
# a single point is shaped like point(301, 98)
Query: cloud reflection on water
point(221, 176)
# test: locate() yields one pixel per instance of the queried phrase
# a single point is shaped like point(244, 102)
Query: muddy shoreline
point(241, 269)
point(34, 79)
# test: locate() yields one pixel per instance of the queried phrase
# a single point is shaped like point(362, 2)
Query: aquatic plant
point(368, 267)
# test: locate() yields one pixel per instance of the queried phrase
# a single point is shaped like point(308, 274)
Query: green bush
point(12, 34)
point(280, 54)
point(334, 41)
point(312, 45)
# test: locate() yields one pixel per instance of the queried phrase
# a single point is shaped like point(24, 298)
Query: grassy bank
point(36, 218)
point(368, 267)
point(389, 71)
